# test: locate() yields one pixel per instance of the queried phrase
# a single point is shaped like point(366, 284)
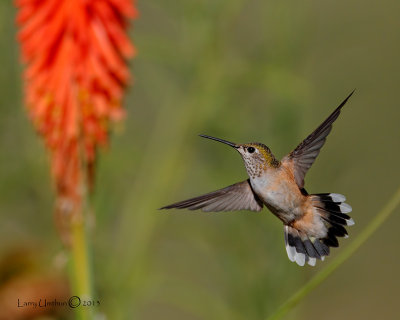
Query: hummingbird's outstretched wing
point(239, 196)
point(301, 158)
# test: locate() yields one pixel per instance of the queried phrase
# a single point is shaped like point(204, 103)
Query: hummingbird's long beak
point(234, 145)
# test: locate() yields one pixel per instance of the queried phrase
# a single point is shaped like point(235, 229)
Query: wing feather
point(302, 158)
point(239, 196)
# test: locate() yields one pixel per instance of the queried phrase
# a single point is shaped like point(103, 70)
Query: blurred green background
point(267, 71)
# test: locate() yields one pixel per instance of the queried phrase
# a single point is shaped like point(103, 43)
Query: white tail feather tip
point(291, 252)
point(300, 259)
point(345, 208)
point(312, 261)
point(336, 197)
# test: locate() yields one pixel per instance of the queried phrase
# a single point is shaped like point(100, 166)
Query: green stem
point(340, 258)
point(80, 269)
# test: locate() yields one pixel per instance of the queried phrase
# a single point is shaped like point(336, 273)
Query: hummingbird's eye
point(250, 149)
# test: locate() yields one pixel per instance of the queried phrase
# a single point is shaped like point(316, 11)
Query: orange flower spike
point(74, 78)
point(115, 30)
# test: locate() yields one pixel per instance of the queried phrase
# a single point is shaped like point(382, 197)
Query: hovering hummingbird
point(311, 221)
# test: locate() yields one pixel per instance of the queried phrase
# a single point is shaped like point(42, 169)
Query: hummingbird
point(312, 222)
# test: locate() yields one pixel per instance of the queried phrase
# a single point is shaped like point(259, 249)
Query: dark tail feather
point(333, 212)
point(303, 249)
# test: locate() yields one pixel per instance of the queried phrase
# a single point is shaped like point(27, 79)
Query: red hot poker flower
point(75, 53)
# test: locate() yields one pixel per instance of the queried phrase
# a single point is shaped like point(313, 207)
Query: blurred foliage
point(244, 71)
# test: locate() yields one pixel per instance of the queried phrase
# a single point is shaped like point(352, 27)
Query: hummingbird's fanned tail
point(334, 212)
point(303, 249)
point(310, 238)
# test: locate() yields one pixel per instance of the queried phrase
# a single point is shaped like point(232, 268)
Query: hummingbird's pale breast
point(277, 189)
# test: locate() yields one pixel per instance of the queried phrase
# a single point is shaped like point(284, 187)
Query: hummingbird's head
point(257, 157)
